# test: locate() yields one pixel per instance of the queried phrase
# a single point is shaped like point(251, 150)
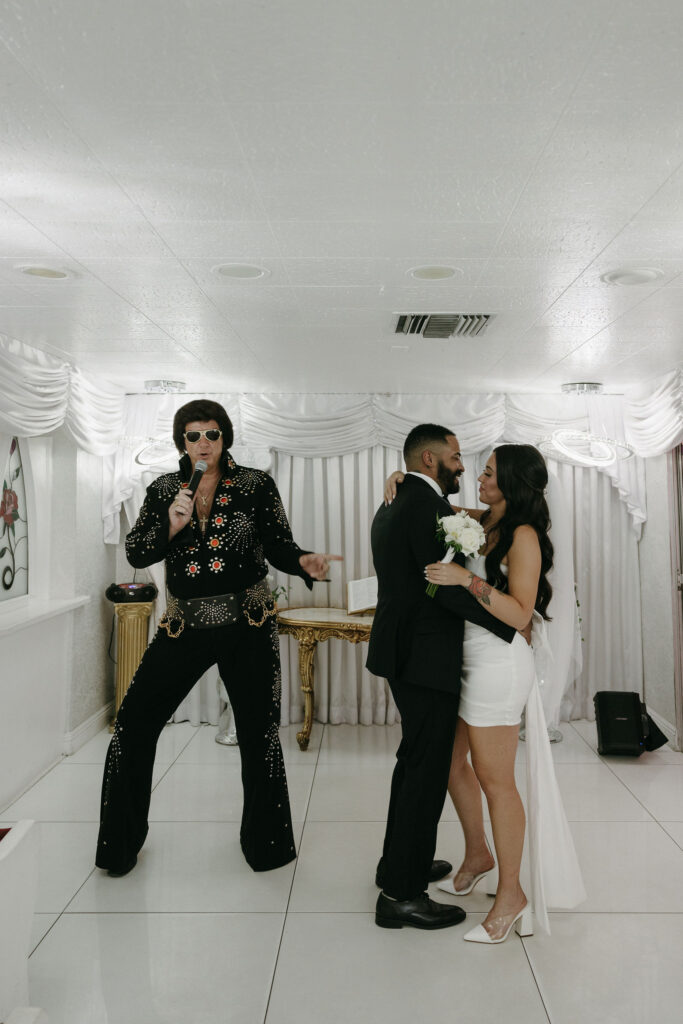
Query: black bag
point(623, 724)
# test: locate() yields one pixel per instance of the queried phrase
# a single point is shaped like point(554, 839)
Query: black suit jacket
point(415, 638)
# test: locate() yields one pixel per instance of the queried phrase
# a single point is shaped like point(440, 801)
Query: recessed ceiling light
point(433, 273)
point(582, 387)
point(632, 275)
point(240, 271)
point(163, 387)
point(48, 272)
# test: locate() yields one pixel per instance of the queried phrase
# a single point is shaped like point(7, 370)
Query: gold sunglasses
point(193, 435)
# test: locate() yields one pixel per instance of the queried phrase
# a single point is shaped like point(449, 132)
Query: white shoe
point(448, 884)
point(523, 924)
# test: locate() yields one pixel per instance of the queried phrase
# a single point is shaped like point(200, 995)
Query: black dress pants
point(248, 659)
point(418, 786)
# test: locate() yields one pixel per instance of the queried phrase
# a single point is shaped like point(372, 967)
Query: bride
point(509, 578)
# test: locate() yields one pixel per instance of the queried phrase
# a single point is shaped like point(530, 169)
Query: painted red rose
point(9, 509)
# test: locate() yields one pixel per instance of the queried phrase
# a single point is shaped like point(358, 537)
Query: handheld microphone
point(200, 468)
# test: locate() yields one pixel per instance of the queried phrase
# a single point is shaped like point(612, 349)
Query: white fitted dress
point(500, 680)
point(496, 676)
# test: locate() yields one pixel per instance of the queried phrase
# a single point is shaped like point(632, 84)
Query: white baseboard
point(667, 728)
point(79, 736)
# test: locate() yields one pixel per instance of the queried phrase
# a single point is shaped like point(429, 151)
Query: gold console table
point(131, 644)
point(309, 626)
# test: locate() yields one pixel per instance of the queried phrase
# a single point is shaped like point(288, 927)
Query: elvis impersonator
point(215, 544)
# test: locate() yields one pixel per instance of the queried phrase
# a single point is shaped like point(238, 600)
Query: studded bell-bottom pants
point(248, 660)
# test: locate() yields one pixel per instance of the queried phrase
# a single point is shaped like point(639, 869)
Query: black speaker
point(122, 593)
point(623, 724)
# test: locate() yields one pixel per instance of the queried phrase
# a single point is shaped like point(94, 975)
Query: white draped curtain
point(331, 503)
point(38, 394)
point(329, 455)
point(606, 571)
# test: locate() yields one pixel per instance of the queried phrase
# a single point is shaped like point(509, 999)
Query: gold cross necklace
point(205, 509)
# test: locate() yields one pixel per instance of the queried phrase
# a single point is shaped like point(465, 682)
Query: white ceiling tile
point(75, 49)
point(457, 193)
point(436, 52)
point(481, 298)
point(419, 241)
point(648, 240)
point(19, 239)
point(531, 146)
point(359, 272)
point(642, 48)
point(119, 272)
point(536, 230)
point(295, 141)
point(550, 273)
point(221, 241)
point(202, 193)
point(148, 137)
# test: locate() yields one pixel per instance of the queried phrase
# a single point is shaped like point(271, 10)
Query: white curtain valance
point(38, 394)
point(653, 415)
point(330, 426)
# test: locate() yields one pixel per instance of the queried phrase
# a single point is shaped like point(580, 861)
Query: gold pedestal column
point(131, 644)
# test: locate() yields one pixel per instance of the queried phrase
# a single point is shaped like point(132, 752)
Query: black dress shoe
point(438, 870)
point(123, 871)
point(420, 912)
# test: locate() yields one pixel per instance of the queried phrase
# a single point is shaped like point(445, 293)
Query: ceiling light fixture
point(582, 387)
point(157, 453)
point(580, 447)
point(433, 273)
point(632, 275)
point(164, 387)
point(240, 271)
point(51, 273)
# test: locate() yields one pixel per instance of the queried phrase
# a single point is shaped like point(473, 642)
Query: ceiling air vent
point(443, 325)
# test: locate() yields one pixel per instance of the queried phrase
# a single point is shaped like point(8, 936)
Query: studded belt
point(255, 603)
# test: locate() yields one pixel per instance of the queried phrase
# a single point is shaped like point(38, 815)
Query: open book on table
point(361, 596)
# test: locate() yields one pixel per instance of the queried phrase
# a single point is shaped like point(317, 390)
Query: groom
point(416, 643)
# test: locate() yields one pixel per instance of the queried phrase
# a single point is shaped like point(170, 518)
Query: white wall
point(82, 564)
point(656, 585)
point(92, 684)
point(55, 681)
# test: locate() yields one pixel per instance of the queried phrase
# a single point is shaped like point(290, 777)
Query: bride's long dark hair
point(522, 477)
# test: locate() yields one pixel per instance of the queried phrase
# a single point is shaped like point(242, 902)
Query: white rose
point(452, 523)
point(470, 540)
point(464, 531)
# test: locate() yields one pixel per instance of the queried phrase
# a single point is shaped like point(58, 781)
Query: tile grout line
point(608, 765)
point(536, 981)
point(186, 745)
point(291, 886)
point(350, 913)
point(65, 909)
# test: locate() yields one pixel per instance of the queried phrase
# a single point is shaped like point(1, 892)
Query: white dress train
point(498, 681)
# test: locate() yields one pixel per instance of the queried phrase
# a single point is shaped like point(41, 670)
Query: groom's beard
point(448, 479)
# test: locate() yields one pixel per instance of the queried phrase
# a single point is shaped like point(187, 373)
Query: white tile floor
point(192, 936)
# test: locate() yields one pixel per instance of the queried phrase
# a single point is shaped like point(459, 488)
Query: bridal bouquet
point(461, 535)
